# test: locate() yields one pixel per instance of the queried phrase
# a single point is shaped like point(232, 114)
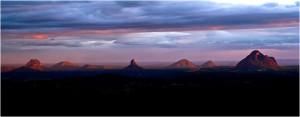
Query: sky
point(148, 31)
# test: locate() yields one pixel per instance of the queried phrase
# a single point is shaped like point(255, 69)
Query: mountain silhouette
point(93, 67)
point(133, 66)
point(64, 65)
point(209, 63)
point(183, 63)
point(32, 65)
point(88, 66)
point(257, 60)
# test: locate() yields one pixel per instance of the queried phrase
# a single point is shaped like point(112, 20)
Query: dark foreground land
point(152, 92)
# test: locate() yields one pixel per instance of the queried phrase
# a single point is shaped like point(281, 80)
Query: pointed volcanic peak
point(32, 65)
point(257, 60)
point(209, 63)
point(64, 65)
point(183, 63)
point(133, 66)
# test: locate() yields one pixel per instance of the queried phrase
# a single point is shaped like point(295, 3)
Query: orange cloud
point(284, 22)
point(216, 27)
point(38, 37)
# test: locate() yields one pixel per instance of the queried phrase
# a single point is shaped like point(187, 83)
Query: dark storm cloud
point(148, 15)
point(44, 43)
point(141, 21)
point(52, 43)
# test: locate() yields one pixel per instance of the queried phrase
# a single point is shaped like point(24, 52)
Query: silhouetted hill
point(133, 66)
point(209, 63)
point(32, 65)
point(183, 63)
point(94, 67)
point(257, 60)
point(63, 66)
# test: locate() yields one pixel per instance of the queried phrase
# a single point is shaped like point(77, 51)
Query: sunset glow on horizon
point(148, 31)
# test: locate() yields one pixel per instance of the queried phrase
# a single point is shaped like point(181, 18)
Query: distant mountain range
point(254, 60)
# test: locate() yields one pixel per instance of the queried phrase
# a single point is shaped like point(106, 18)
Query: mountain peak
point(34, 64)
point(209, 63)
point(132, 61)
point(183, 63)
point(64, 63)
point(255, 53)
point(31, 65)
point(133, 66)
point(257, 60)
point(184, 60)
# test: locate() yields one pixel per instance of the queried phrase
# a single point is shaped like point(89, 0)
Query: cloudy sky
point(149, 31)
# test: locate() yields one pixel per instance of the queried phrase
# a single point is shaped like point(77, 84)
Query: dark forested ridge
point(211, 91)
